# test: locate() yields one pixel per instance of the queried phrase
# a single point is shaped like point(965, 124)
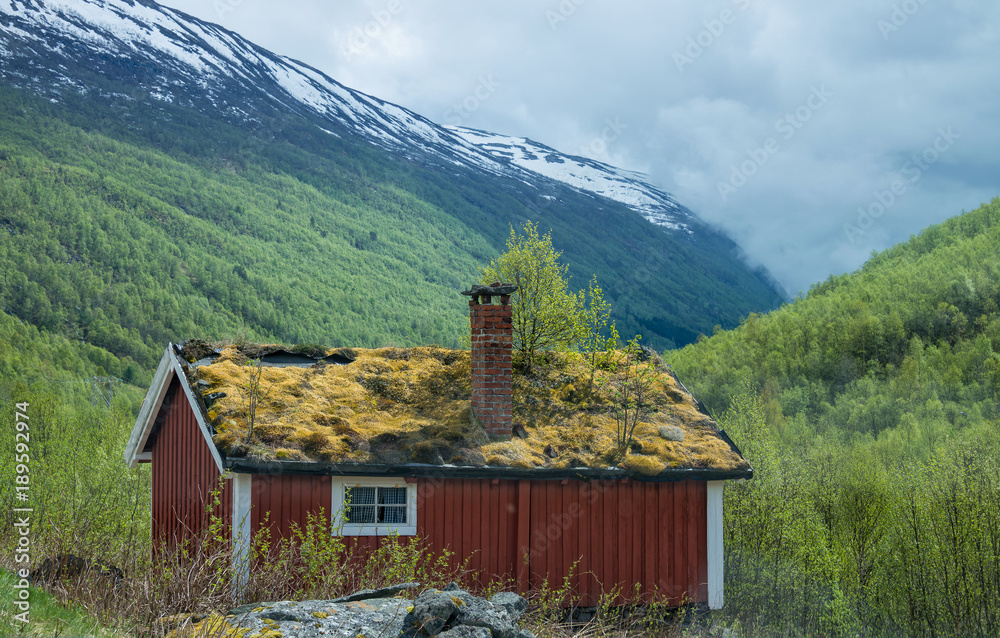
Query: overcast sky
point(776, 121)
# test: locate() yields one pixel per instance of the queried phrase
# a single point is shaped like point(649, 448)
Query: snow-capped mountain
point(626, 187)
point(179, 58)
point(174, 57)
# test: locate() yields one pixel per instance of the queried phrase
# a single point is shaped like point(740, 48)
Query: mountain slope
point(162, 177)
point(178, 59)
point(162, 44)
point(907, 348)
point(584, 174)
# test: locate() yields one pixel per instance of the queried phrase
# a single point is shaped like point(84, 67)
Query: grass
point(396, 405)
point(48, 617)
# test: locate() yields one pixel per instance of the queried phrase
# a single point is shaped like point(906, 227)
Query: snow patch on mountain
point(627, 187)
point(203, 52)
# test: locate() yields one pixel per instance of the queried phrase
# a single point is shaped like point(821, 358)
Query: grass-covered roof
point(397, 406)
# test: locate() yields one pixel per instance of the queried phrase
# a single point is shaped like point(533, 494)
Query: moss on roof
point(412, 405)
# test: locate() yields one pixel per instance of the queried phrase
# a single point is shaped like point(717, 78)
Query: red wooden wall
point(287, 498)
point(617, 532)
point(184, 473)
point(475, 518)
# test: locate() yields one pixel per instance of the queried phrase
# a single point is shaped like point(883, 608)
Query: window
point(374, 507)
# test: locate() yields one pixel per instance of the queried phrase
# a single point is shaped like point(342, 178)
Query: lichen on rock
point(451, 613)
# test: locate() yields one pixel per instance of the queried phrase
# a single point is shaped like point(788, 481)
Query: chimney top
point(494, 289)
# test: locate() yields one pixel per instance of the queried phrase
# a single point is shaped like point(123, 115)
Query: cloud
point(700, 89)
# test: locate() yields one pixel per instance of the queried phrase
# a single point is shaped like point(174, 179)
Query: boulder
point(514, 604)
point(435, 610)
point(464, 631)
point(305, 619)
point(452, 609)
point(483, 613)
point(450, 613)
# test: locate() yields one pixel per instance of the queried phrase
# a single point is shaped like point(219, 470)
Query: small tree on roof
point(599, 335)
point(632, 387)
point(546, 315)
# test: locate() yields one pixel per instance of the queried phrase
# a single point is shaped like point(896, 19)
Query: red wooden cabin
point(621, 527)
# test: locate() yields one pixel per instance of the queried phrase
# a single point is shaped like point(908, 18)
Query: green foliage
point(81, 491)
point(599, 333)
point(833, 540)
point(632, 390)
point(898, 350)
point(546, 315)
point(84, 498)
point(869, 410)
point(320, 550)
point(552, 600)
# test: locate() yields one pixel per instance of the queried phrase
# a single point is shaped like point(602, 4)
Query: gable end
point(152, 412)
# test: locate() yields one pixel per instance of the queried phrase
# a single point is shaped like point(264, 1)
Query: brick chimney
point(492, 340)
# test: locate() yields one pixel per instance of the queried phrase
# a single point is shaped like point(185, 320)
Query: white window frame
point(348, 529)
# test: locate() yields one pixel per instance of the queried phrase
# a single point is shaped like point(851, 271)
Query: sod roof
point(401, 406)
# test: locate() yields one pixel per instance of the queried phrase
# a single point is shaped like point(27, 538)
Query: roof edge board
point(491, 472)
point(206, 432)
point(151, 404)
point(168, 368)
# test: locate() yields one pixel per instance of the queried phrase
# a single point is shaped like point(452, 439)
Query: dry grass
point(187, 593)
point(179, 592)
point(395, 405)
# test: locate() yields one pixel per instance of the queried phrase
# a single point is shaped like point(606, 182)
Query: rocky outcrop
point(455, 613)
point(449, 613)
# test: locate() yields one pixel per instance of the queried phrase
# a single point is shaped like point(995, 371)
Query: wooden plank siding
point(288, 499)
point(184, 473)
point(618, 533)
point(474, 519)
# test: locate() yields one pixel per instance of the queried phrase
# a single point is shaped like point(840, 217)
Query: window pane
point(392, 505)
point(374, 505)
point(361, 501)
point(361, 495)
point(392, 495)
point(359, 514)
point(393, 514)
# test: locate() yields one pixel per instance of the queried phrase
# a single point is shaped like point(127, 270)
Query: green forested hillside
point(125, 229)
point(125, 247)
point(869, 410)
point(911, 338)
point(79, 422)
